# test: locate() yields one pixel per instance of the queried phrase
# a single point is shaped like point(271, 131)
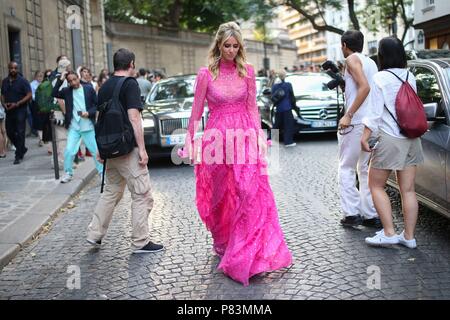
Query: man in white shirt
point(357, 205)
point(144, 84)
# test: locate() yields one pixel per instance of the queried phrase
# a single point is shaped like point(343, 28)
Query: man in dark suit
point(283, 94)
point(79, 118)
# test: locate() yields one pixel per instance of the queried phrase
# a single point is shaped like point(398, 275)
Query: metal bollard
point(54, 147)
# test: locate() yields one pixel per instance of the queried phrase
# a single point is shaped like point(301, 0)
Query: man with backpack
point(120, 140)
point(284, 99)
point(398, 117)
point(357, 204)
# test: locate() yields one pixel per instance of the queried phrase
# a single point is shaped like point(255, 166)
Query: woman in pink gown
point(233, 195)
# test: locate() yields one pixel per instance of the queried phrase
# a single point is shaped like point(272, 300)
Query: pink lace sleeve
point(252, 107)
point(200, 88)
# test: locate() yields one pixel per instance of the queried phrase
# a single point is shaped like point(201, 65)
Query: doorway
point(15, 52)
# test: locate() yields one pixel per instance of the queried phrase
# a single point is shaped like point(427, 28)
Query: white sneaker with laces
point(290, 145)
point(380, 239)
point(407, 243)
point(67, 178)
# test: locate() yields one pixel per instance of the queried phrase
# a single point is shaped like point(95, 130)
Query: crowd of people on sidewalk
point(233, 196)
point(27, 106)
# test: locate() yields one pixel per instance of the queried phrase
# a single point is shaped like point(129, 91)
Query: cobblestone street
point(330, 262)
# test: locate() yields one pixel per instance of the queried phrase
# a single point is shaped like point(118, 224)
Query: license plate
point(173, 140)
point(323, 123)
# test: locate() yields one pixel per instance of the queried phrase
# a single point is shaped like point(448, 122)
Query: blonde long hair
point(226, 31)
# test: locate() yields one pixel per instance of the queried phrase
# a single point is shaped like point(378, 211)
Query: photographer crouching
point(79, 118)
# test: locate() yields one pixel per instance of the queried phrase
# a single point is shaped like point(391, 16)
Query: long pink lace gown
point(235, 201)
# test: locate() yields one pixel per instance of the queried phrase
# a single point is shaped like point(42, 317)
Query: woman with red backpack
point(398, 119)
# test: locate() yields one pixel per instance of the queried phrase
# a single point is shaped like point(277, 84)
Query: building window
point(420, 37)
point(429, 3)
point(372, 45)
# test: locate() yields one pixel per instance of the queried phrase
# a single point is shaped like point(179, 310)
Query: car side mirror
point(267, 92)
point(431, 111)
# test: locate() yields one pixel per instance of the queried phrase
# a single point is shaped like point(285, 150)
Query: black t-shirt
point(130, 94)
point(15, 90)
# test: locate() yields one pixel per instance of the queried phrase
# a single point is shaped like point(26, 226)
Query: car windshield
point(172, 90)
point(305, 84)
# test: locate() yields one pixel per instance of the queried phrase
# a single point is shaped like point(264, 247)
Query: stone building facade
point(184, 52)
point(35, 32)
point(432, 18)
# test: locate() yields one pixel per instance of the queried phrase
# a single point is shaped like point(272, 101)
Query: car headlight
point(148, 123)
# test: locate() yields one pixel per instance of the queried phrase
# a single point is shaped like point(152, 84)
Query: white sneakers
point(290, 145)
point(381, 240)
point(407, 243)
point(67, 178)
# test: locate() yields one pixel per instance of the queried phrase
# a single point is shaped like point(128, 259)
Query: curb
point(31, 223)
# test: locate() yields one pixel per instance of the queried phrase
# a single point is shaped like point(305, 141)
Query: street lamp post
point(266, 60)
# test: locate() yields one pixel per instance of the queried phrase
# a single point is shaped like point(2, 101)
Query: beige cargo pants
point(120, 172)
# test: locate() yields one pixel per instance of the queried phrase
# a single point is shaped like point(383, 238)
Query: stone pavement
point(30, 196)
point(330, 262)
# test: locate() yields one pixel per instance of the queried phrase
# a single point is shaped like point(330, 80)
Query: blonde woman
point(233, 195)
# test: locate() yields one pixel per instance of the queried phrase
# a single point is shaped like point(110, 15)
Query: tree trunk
point(406, 22)
point(352, 14)
point(394, 17)
point(175, 14)
point(312, 19)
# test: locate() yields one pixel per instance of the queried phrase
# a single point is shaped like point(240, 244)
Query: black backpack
point(113, 131)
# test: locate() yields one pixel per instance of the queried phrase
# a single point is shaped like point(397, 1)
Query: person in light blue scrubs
point(81, 106)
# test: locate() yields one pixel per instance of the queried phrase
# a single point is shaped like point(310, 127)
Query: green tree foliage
point(314, 11)
point(199, 15)
point(384, 14)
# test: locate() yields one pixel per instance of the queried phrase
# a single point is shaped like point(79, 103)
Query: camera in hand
point(333, 71)
point(329, 65)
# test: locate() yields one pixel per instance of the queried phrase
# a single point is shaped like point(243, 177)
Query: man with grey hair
point(284, 99)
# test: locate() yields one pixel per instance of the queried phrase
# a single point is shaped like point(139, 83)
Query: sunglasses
point(344, 131)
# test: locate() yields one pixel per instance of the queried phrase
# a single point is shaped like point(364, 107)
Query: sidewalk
point(30, 196)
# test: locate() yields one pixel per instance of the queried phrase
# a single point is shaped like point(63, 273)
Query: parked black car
point(317, 107)
point(166, 115)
